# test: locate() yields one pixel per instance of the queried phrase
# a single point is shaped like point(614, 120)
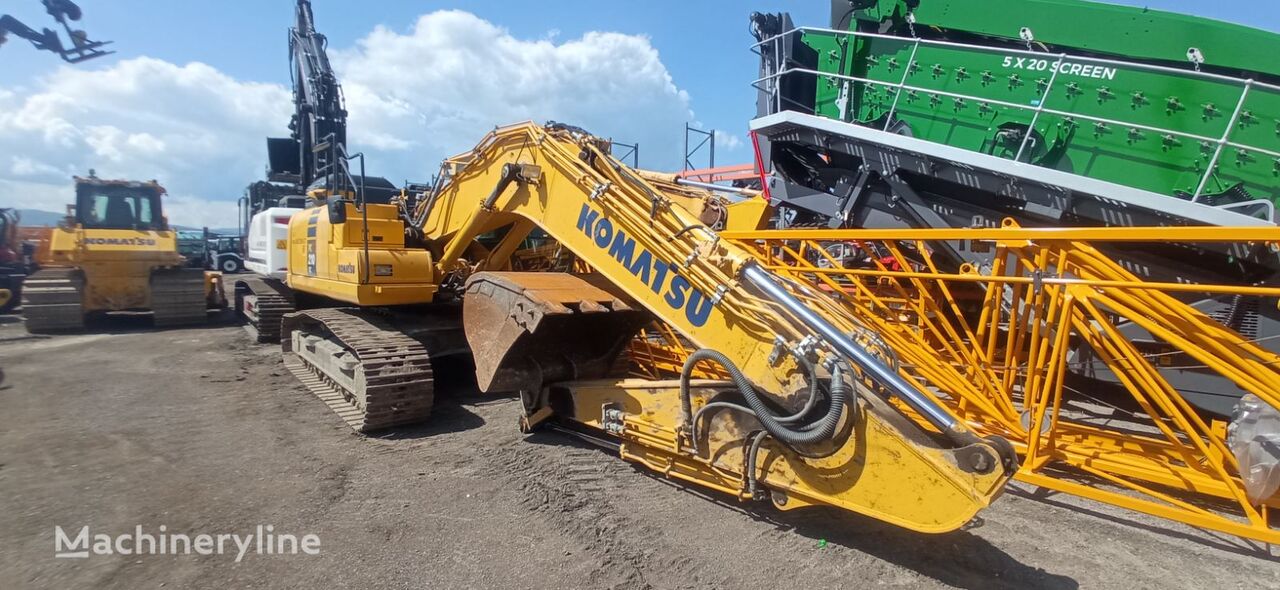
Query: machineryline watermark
point(83, 544)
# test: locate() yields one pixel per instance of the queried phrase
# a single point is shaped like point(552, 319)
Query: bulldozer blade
point(527, 329)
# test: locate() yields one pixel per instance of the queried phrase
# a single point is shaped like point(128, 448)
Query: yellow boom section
point(660, 257)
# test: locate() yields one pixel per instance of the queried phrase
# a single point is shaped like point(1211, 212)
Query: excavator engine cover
point(531, 328)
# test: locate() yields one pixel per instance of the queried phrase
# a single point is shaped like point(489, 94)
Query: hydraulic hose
point(820, 430)
point(812, 372)
point(809, 404)
point(753, 483)
point(753, 450)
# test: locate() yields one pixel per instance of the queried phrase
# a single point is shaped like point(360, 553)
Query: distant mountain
point(38, 218)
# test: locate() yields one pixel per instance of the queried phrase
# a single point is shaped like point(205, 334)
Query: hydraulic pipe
point(746, 192)
point(935, 414)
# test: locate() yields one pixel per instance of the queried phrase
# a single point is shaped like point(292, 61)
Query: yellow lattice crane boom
point(1008, 348)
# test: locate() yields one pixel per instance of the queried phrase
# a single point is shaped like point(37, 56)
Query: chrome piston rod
point(882, 373)
point(746, 192)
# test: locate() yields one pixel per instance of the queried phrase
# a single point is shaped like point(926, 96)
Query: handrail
point(771, 83)
point(1009, 50)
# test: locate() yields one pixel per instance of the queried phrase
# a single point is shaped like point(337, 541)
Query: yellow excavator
point(114, 252)
point(808, 415)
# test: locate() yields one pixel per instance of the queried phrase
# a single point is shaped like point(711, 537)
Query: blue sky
point(703, 46)
point(702, 42)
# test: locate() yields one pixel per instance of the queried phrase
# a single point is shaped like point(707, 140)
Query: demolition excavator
point(307, 166)
point(395, 289)
point(804, 418)
point(903, 372)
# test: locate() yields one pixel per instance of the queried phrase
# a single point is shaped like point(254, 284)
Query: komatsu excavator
point(809, 416)
point(304, 164)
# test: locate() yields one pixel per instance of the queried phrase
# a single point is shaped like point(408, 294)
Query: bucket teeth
point(528, 329)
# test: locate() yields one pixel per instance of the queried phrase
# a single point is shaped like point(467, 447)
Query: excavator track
point(178, 297)
point(52, 300)
point(371, 374)
point(263, 302)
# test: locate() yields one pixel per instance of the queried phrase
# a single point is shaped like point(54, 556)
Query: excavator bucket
point(530, 328)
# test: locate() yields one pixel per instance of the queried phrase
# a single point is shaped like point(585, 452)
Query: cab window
point(118, 208)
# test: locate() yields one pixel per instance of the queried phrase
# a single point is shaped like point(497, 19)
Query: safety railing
point(776, 71)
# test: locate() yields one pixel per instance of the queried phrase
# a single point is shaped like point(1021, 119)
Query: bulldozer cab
point(134, 206)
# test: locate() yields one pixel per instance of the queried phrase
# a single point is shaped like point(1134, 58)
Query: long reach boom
point(807, 416)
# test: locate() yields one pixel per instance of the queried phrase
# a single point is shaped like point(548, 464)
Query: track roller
point(263, 302)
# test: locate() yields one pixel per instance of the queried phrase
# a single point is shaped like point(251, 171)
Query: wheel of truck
point(230, 264)
point(14, 285)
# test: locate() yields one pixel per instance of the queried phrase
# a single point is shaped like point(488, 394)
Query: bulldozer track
point(178, 297)
point(52, 300)
point(271, 301)
point(390, 383)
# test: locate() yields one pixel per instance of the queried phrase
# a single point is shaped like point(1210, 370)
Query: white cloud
point(414, 97)
point(438, 88)
point(196, 130)
point(22, 166)
point(727, 141)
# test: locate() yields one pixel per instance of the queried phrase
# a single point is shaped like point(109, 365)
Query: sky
point(195, 87)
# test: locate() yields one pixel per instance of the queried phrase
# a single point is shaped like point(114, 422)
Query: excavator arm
point(808, 416)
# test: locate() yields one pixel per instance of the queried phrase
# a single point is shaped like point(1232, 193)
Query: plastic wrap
point(1254, 438)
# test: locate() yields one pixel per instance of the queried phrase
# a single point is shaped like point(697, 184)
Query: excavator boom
point(807, 418)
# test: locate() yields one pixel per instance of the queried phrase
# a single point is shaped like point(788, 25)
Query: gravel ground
point(201, 432)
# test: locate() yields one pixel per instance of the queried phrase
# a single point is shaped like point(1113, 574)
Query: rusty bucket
point(527, 329)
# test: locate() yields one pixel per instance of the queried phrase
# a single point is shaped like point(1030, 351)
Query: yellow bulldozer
point(114, 252)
